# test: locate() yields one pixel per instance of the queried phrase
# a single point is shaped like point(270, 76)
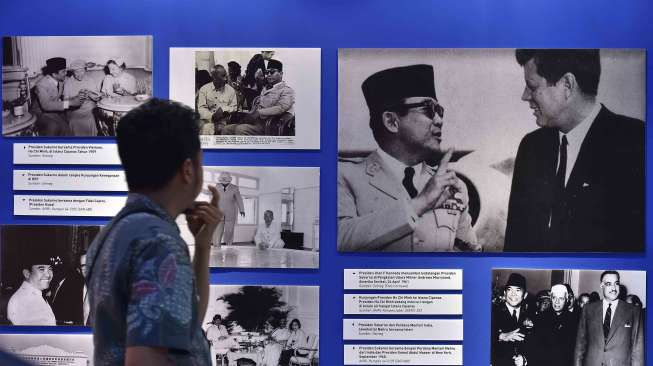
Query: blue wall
point(330, 25)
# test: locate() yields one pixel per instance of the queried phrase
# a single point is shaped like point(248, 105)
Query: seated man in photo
point(215, 101)
point(268, 235)
point(276, 101)
point(51, 102)
point(27, 306)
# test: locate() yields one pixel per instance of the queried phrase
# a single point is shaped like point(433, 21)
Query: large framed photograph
point(50, 349)
point(255, 98)
point(42, 274)
point(263, 325)
point(491, 150)
point(271, 217)
point(72, 86)
point(568, 317)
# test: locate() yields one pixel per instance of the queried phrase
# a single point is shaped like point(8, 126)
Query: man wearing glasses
point(392, 200)
point(276, 100)
point(610, 332)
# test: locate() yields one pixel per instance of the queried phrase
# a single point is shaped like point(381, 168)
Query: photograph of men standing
point(578, 182)
point(610, 331)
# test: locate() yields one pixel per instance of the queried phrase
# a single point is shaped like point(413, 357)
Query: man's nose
point(437, 120)
point(526, 95)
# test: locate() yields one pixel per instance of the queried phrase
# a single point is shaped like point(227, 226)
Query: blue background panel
point(330, 25)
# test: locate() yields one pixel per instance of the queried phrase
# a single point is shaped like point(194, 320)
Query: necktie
point(562, 166)
point(514, 316)
point(606, 322)
point(409, 172)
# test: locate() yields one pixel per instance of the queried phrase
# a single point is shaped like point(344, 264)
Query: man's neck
point(219, 88)
point(578, 111)
point(402, 154)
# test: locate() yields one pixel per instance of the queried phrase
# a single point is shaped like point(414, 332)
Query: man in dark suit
point(610, 332)
point(578, 183)
point(512, 324)
point(556, 331)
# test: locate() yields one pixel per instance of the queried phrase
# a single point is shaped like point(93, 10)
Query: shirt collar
point(395, 166)
point(614, 305)
point(138, 200)
point(512, 308)
point(577, 134)
point(52, 80)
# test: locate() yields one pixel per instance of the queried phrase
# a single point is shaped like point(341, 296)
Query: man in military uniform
point(512, 325)
point(556, 331)
point(392, 200)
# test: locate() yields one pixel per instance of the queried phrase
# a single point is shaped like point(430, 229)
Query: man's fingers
point(215, 199)
point(444, 162)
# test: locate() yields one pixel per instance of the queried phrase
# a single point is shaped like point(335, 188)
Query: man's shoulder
point(620, 124)
point(358, 164)
point(206, 88)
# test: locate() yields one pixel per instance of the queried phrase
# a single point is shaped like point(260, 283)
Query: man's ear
point(26, 273)
point(568, 82)
point(390, 121)
point(187, 171)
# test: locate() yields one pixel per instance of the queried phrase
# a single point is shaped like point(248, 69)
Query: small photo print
point(72, 86)
point(267, 98)
point(50, 349)
point(263, 325)
point(42, 274)
point(568, 317)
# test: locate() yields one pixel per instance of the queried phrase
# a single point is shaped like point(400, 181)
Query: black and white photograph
point(271, 217)
point(50, 349)
point(491, 150)
point(263, 325)
point(568, 317)
point(267, 98)
point(42, 274)
point(72, 86)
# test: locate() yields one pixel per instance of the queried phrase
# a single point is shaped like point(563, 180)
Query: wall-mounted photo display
point(254, 98)
point(568, 317)
point(50, 349)
point(446, 150)
point(263, 325)
point(271, 217)
point(72, 86)
point(42, 274)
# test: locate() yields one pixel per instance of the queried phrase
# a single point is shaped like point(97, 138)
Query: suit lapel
point(618, 320)
point(380, 178)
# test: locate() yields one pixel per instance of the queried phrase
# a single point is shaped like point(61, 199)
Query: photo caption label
point(93, 206)
point(70, 180)
point(51, 153)
point(410, 304)
point(403, 355)
point(403, 279)
point(403, 329)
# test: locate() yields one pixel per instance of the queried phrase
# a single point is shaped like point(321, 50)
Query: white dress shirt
point(27, 307)
point(575, 139)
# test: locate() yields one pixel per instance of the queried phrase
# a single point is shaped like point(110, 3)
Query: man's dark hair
point(612, 273)
point(552, 64)
point(154, 139)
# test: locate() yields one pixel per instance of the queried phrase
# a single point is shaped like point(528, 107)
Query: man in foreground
point(147, 298)
point(392, 200)
point(610, 332)
point(578, 183)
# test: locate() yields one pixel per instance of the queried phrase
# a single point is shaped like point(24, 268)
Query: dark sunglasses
point(271, 71)
point(431, 108)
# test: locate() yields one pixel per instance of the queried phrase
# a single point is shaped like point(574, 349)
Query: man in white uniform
point(268, 235)
point(27, 306)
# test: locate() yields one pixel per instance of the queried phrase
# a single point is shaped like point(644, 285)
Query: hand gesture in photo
point(203, 218)
point(513, 336)
point(436, 191)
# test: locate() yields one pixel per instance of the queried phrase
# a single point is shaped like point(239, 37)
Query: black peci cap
point(390, 86)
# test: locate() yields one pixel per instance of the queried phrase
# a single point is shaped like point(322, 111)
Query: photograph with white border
point(271, 217)
point(251, 98)
point(263, 325)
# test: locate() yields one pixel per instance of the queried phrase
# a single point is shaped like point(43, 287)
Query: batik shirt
point(142, 287)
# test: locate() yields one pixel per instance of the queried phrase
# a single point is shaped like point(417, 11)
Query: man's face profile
point(39, 276)
point(610, 286)
point(546, 101)
point(418, 130)
point(273, 76)
point(514, 295)
point(267, 55)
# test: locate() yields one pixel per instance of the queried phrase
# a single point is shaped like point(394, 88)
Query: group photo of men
point(42, 274)
point(250, 93)
point(568, 317)
point(526, 150)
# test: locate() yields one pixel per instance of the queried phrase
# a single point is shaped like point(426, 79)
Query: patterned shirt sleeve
point(159, 311)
